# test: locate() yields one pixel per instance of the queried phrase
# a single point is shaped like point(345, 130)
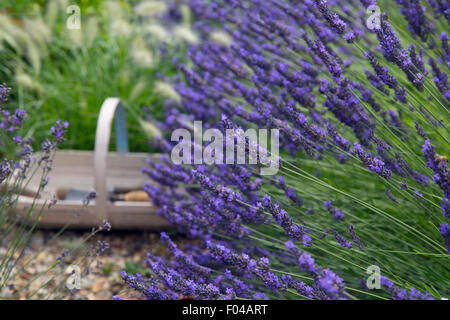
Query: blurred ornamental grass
point(67, 73)
point(363, 182)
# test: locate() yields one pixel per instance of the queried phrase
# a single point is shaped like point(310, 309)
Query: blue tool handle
point(120, 122)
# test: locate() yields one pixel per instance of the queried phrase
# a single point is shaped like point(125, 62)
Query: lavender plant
point(361, 103)
point(15, 231)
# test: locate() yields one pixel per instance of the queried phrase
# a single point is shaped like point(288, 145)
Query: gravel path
point(100, 259)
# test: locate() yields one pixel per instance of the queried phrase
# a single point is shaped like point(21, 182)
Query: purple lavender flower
point(12, 121)
point(444, 229)
point(322, 52)
point(337, 214)
point(58, 130)
point(350, 37)
point(106, 225)
point(414, 13)
point(418, 195)
point(220, 191)
point(374, 164)
point(445, 207)
point(417, 59)
point(306, 262)
point(294, 231)
point(420, 130)
point(260, 296)
point(290, 193)
point(440, 79)
point(391, 45)
point(298, 286)
point(148, 288)
point(331, 284)
point(439, 166)
point(259, 269)
point(403, 294)
point(354, 236)
point(272, 76)
point(441, 7)
point(341, 240)
point(328, 285)
point(4, 93)
point(336, 23)
point(445, 47)
point(390, 195)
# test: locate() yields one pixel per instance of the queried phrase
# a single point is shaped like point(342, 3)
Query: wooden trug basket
point(96, 170)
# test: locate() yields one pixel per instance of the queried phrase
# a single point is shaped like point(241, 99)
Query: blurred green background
point(61, 73)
